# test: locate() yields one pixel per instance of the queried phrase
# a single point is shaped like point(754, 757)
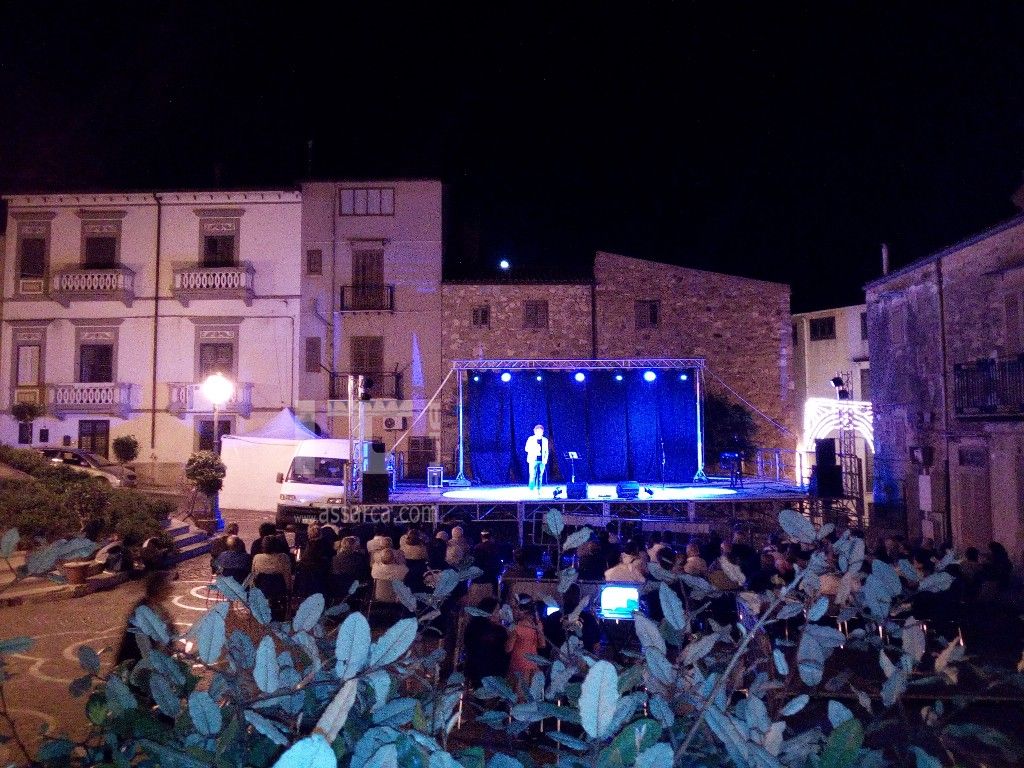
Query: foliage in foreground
point(313, 692)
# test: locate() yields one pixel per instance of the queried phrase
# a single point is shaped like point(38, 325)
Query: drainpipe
point(156, 318)
point(593, 318)
point(945, 404)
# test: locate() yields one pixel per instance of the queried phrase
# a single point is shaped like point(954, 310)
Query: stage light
point(618, 377)
point(580, 377)
point(556, 493)
point(650, 376)
point(476, 377)
point(648, 491)
point(505, 264)
point(506, 377)
point(683, 377)
point(539, 377)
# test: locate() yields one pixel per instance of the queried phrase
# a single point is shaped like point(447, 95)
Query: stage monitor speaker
point(576, 490)
point(825, 452)
point(630, 489)
point(830, 481)
point(375, 489)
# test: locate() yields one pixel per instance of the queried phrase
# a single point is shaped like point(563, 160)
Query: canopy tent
point(253, 460)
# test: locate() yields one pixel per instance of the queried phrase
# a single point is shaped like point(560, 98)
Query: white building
point(826, 344)
point(371, 306)
point(117, 305)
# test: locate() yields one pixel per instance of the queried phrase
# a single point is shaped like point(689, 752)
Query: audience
point(388, 568)
point(630, 568)
point(220, 543)
point(233, 561)
point(526, 639)
point(436, 551)
point(557, 627)
point(266, 529)
point(484, 643)
point(694, 564)
point(458, 548)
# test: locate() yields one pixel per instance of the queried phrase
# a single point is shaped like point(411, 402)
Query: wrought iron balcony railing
point(989, 388)
point(192, 283)
point(383, 385)
point(186, 397)
point(367, 298)
point(112, 399)
point(114, 284)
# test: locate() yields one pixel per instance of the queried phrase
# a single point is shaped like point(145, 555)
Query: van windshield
point(317, 470)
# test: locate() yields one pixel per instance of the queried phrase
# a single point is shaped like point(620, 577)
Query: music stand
point(572, 456)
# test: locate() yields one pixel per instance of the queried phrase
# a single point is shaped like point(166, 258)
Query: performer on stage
point(537, 457)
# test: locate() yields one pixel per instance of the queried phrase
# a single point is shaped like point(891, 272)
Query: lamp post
point(217, 388)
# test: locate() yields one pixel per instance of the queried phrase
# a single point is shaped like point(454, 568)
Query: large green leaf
point(656, 756)
point(205, 713)
point(267, 672)
point(577, 539)
point(89, 659)
point(164, 695)
point(352, 647)
point(797, 526)
point(15, 645)
point(336, 714)
point(311, 752)
point(672, 607)
point(553, 522)
point(209, 632)
point(9, 542)
point(598, 699)
point(843, 745)
point(267, 727)
point(309, 613)
point(146, 620)
point(393, 643)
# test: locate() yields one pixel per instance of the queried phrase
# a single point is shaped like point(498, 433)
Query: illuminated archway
point(823, 415)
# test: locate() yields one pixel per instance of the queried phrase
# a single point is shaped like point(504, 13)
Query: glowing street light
point(218, 389)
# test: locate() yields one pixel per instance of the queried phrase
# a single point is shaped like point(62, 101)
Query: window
point(367, 201)
point(315, 262)
point(216, 358)
point(313, 354)
point(28, 359)
point(94, 435)
point(535, 314)
point(368, 289)
point(796, 334)
point(366, 358)
point(204, 428)
point(864, 326)
point(646, 314)
point(219, 251)
point(24, 433)
point(31, 257)
point(96, 364)
point(822, 328)
point(482, 316)
point(100, 252)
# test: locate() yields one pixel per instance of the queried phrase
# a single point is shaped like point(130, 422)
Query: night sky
point(785, 147)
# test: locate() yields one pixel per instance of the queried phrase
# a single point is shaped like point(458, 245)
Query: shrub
point(24, 459)
point(205, 471)
point(25, 412)
point(126, 448)
point(132, 516)
point(36, 510)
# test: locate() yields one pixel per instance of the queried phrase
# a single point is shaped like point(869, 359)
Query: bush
point(311, 693)
point(205, 471)
point(36, 510)
point(126, 448)
point(133, 516)
point(24, 459)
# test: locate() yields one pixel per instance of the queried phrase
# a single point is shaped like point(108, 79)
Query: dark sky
point(781, 143)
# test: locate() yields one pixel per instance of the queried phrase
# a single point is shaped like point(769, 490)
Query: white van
point(316, 478)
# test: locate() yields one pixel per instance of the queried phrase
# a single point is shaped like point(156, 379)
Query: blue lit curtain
point(624, 429)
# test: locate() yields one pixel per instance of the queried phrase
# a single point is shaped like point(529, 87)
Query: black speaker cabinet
point(375, 489)
point(629, 489)
point(576, 490)
point(825, 451)
point(830, 481)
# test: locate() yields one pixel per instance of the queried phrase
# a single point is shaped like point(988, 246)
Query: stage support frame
point(462, 367)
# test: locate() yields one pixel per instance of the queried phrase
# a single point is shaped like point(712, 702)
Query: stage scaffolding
point(461, 367)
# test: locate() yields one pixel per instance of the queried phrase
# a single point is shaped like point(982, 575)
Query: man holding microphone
point(537, 457)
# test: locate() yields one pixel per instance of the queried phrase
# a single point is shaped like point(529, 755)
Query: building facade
point(826, 344)
point(371, 306)
point(117, 306)
point(947, 335)
point(633, 308)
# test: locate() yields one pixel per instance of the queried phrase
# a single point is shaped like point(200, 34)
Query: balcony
point(30, 393)
point(385, 385)
point(989, 389)
point(114, 284)
point(113, 399)
point(192, 283)
point(367, 298)
point(188, 398)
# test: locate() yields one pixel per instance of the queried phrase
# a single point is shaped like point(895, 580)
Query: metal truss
point(578, 365)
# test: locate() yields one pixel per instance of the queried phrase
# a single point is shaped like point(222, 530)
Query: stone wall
point(741, 327)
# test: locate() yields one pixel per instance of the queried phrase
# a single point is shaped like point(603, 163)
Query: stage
point(596, 492)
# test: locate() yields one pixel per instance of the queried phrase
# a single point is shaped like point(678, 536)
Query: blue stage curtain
point(622, 429)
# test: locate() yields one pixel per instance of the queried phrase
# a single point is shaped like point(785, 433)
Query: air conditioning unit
point(396, 424)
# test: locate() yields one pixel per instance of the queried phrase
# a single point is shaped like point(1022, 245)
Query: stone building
point(947, 382)
point(633, 308)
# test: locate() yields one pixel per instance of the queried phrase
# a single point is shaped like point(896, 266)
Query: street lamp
point(217, 388)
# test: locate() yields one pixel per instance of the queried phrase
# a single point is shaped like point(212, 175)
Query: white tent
point(254, 459)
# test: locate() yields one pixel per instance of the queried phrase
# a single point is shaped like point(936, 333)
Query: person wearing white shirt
point(537, 457)
point(630, 568)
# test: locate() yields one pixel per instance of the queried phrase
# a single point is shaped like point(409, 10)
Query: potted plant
point(126, 449)
point(205, 471)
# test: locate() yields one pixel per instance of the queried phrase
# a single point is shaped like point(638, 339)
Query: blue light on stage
point(504, 265)
point(683, 377)
point(539, 377)
point(650, 376)
point(580, 377)
point(618, 377)
point(506, 377)
point(476, 377)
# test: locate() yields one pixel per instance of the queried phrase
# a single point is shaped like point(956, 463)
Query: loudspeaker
point(375, 489)
point(825, 452)
point(374, 458)
point(830, 481)
point(630, 489)
point(576, 490)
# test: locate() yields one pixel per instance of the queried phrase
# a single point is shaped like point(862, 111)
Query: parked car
point(93, 464)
